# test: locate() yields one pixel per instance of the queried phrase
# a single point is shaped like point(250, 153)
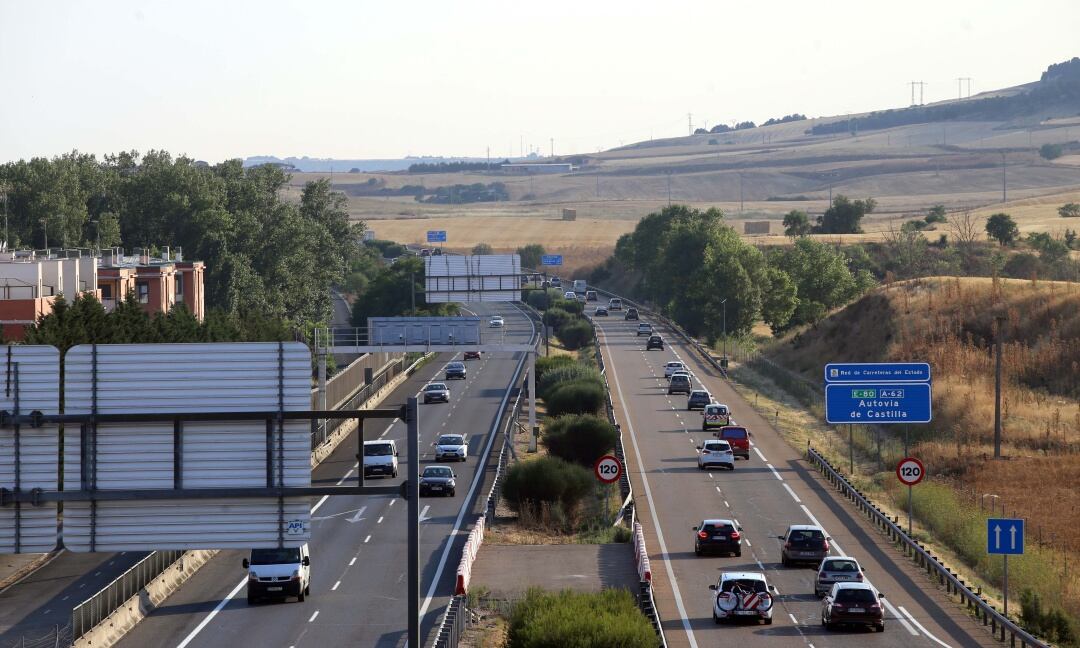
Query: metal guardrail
point(626, 490)
point(58, 637)
point(454, 623)
point(324, 428)
point(1000, 626)
point(110, 598)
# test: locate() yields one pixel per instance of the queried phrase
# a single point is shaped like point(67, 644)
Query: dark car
point(437, 480)
point(472, 355)
point(853, 604)
point(655, 342)
point(631, 314)
point(680, 384)
point(718, 536)
point(456, 370)
point(804, 543)
point(698, 399)
point(738, 437)
point(435, 392)
point(601, 311)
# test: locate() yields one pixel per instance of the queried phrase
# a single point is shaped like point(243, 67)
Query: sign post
point(551, 260)
point(608, 469)
point(1005, 537)
point(910, 471)
point(436, 236)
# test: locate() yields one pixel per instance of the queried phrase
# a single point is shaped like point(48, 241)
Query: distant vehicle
point(743, 595)
point(853, 604)
point(680, 372)
point(601, 311)
point(717, 536)
point(672, 367)
point(380, 458)
point(715, 453)
point(715, 415)
point(615, 304)
point(679, 384)
point(455, 370)
point(472, 355)
point(590, 295)
point(278, 573)
point(644, 328)
point(425, 252)
point(655, 342)
point(436, 392)
point(738, 437)
point(804, 543)
point(580, 285)
point(437, 480)
point(631, 314)
point(556, 282)
point(570, 294)
point(496, 321)
point(451, 447)
point(698, 399)
point(436, 252)
point(837, 570)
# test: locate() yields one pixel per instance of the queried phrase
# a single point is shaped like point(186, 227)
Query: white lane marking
point(725, 501)
point(792, 493)
point(793, 619)
point(760, 566)
point(97, 573)
point(379, 520)
point(366, 539)
point(336, 585)
point(423, 514)
point(747, 541)
point(774, 472)
point(655, 520)
point(347, 475)
point(352, 562)
point(924, 630)
point(213, 613)
point(356, 518)
point(759, 454)
point(710, 476)
point(313, 616)
point(900, 617)
point(319, 503)
point(392, 501)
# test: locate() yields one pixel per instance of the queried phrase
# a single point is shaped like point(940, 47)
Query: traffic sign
point(1005, 536)
point(876, 372)
point(551, 259)
point(910, 471)
point(877, 403)
point(608, 469)
point(436, 236)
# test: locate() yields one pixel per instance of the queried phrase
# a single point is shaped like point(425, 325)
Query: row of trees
point(844, 216)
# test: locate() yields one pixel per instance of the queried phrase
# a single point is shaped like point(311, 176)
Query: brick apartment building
point(30, 281)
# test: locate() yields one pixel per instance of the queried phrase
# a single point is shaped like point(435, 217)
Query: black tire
point(717, 620)
point(880, 627)
point(300, 597)
point(251, 599)
point(697, 551)
point(738, 553)
point(453, 493)
point(768, 621)
point(784, 561)
point(395, 473)
point(307, 590)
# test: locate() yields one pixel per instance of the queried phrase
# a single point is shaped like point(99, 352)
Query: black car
point(472, 355)
point(718, 536)
point(455, 370)
point(698, 399)
point(655, 342)
point(631, 314)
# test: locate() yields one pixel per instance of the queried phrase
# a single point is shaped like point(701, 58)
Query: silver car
point(451, 447)
point(837, 570)
point(436, 392)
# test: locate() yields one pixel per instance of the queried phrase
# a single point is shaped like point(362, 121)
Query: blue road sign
point(881, 403)
point(436, 236)
point(1005, 536)
point(876, 372)
point(551, 259)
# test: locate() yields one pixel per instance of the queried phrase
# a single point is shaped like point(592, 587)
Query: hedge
point(578, 397)
point(549, 363)
point(568, 373)
point(605, 619)
point(581, 439)
point(556, 318)
point(547, 480)
point(576, 335)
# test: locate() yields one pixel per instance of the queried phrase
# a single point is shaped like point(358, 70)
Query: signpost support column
point(851, 448)
point(1005, 584)
point(909, 510)
point(533, 431)
point(412, 494)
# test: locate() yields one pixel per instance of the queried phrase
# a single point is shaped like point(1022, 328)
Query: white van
point(614, 304)
point(278, 573)
point(380, 458)
point(590, 295)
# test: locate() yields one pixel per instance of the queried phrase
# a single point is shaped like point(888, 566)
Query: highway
point(358, 558)
point(773, 489)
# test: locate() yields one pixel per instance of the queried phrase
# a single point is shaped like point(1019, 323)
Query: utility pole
point(1003, 195)
point(689, 124)
point(740, 194)
point(959, 87)
point(669, 188)
point(552, 147)
point(597, 185)
point(724, 304)
point(998, 334)
point(489, 159)
point(4, 190)
point(922, 86)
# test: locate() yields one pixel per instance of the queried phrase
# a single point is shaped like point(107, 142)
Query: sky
point(360, 79)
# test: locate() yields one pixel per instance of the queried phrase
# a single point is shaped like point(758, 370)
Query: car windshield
point(435, 387)
point(680, 378)
point(717, 528)
point(699, 394)
point(450, 439)
point(436, 471)
point(275, 556)
point(455, 365)
point(809, 537)
point(853, 595)
point(674, 364)
point(734, 433)
point(840, 566)
point(744, 584)
point(378, 450)
point(716, 446)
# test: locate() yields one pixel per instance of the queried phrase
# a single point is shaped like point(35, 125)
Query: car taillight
point(826, 545)
point(702, 535)
point(858, 576)
point(735, 535)
point(787, 545)
point(839, 606)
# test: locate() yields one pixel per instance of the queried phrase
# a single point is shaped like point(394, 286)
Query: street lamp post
point(724, 304)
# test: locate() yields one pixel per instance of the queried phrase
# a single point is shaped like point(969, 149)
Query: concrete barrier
point(468, 555)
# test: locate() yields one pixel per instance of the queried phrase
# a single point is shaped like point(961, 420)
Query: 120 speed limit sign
point(910, 471)
point(608, 469)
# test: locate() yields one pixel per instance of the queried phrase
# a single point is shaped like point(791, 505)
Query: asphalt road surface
point(358, 560)
point(765, 494)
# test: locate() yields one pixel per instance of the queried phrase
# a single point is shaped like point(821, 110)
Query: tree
point(936, 214)
point(822, 277)
point(393, 291)
point(1050, 151)
point(482, 248)
point(844, 216)
point(965, 228)
point(796, 223)
point(1050, 250)
point(780, 300)
point(530, 255)
point(1069, 210)
point(1002, 229)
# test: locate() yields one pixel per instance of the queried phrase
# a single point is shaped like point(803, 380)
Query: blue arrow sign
point(877, 403)
point(876, 372)
point(436, 236)
point(551, 259)
point(1005, 536)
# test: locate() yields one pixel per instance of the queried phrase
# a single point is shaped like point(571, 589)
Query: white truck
point(580, 286)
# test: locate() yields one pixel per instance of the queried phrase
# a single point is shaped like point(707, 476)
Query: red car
point(472, 355)
point(738, 437)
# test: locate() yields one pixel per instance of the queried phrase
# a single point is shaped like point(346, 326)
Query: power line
point(922, 87)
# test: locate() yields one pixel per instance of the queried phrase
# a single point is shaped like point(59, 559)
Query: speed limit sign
point(608, 469)
point(910, 471)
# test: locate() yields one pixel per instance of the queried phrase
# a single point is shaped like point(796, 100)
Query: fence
point(58, 637)
point(345, 382)
point(454, 623)
point(1000, 626)
point(98, 607)
point(324, 428)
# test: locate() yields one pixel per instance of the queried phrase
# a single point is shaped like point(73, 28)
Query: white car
point(451, 446)
point(570, 294)
point(681, 372)
point(743, 595)
point(672, 367)
point(715, 453)
point(496, 321)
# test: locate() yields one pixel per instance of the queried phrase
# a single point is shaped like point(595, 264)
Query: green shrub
point(578, 397)
point(547, 480)
point(538, 299)
point(606, 619)
point(562, 374)
point(1051, 624)
point(581, 439)
point(576, 334)
point(574, 307)
point(549, 363)
point(556, 318)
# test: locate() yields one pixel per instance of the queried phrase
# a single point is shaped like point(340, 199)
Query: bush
point(580, 439)
point(556, 318)
point(574, 307)
point(548, 363)
point(546, 480)
point(538, 299)
point(1051, 624)
point(606, 619)
point(578, 397)
point(576, 335)
point(565, 374)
